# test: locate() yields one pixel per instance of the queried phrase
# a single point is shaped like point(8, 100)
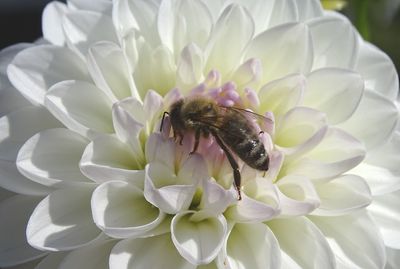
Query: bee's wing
point(248, 113)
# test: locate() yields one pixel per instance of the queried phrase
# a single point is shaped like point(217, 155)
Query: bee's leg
point(236, 173)
point(196, 141)
point(162, 120)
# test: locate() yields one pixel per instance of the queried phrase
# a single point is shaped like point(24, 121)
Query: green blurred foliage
point(378, 21)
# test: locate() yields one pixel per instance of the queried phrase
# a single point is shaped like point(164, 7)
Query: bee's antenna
point(162, 120)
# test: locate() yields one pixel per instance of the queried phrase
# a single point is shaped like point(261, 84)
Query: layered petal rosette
point(90, 179)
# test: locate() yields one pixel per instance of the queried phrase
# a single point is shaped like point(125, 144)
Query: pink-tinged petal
point(384, 210)
point(107, 158)
point(335, 42)
point(280, 96)
point(110, 71)
point(250, 246)
point(81, 107)
point(354, 238)
point(94, 256)
point(234, 27)
point(342, 195)
point(51, 227)
point(152, 252)
point(34, 70)
point(297, 196)
point(280, 45)
point(14, 214)
point(303, 242)
point(378, 71)
point(121, 211)
point(260, 202)
point(367, 125)
point(51, 158)
point(189, 237)
point(52, 17)
point(327, 160)
point(328, 88)
point(84, 28)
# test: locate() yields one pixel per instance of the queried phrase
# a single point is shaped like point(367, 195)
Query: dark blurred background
point(377, 20)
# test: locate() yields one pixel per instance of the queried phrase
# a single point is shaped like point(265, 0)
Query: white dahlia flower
point(90, 181)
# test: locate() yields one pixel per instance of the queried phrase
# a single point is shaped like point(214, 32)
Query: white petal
point(10, 98)
point(248, 75)
point(14, 214)
point(106, 158)
point(95, 256)
point(303, 242)
point(152, 252)
point(297, 196)
point(334, 41)
point(384, 210)
point(288, 43)
point(15, 129)
point(52, 17)
point(34, 70)
point(155, 69)
point(234, 27)
point(378, 71)
point(381, 167)
point(84, 28)
point(308, 125)
point(251, 246)
point(52, 260)
point(354, 238)
point(374, 120)
point(261, 12)
point(342, 195)
point(329, 88)
point(260, 202)
point(6, 57)
point(215, 199)
point(309, 9)
point(279, 96)
point(81, 107)
point(190, 67)
point(183, 22)
point(110, 71)
point(102, 6)
point(121, 211)
point(139, 15)
point(198, 241)
point(52, 227)
point(51, 158)
point(393, 258)
point(172, 192)
point(327, 160)
point(283, 12)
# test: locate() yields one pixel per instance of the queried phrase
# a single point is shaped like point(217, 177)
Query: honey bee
point(229, 126)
